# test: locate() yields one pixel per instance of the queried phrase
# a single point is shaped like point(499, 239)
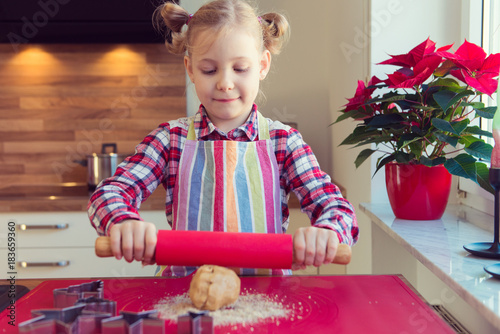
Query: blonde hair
point(271, 30)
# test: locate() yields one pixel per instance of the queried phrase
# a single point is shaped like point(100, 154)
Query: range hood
point(78, 21)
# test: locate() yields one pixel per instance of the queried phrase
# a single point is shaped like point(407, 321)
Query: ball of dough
point(213, 287)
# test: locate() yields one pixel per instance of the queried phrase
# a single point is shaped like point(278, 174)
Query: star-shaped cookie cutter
point(82, 316)
point(195, 323)
point(69, 296)
point(134, 323)
point(68, 320)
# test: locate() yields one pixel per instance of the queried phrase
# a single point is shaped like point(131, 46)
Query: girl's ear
point(265, 64)
point(189, 68)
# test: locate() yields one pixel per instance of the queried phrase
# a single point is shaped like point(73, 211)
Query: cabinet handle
point(25, 264)
point(25, 227)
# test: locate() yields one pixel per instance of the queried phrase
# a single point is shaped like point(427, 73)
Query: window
point(481, 26)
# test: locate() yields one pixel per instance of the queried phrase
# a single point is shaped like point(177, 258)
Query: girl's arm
point(119, 197)
point(320, 199)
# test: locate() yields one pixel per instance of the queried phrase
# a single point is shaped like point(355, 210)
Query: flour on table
point(250, 308)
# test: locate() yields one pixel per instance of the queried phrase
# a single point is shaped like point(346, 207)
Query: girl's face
point(226, 75)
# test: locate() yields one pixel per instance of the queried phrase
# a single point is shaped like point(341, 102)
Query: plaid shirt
point(157, 158)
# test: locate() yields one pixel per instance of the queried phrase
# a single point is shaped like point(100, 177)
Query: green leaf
point(487, 112)
point(383, 162)
point(445, 98)
point(375, 140)
point(476, 130)
point(383, 121)
point(407, 139)
point(454, 127)
point(462, 165)
point(476, 105)
point(467, 140)
point(483, 177)
point(360, 133)
point(432, 162)
point(445, 82)
point(387, 98)
point(355, 114)
point(480, 149)
point(362, 156)
point(453, 141)
point(403, 158)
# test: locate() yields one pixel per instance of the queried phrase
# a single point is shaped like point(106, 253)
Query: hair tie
point(260, 19)
point(189, 19)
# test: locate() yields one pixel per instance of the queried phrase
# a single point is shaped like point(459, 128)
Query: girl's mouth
point(225, 100)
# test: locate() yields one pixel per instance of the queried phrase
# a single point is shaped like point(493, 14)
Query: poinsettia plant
point(424, 112)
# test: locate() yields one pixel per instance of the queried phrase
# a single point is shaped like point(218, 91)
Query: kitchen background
point(61, 101)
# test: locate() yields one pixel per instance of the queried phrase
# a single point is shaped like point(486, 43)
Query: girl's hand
point(313, 246)
point(134, 240)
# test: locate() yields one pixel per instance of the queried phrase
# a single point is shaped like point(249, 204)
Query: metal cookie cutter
point(134, 323)
point(69, 320)
point(195, 323)
point(69, 296)
point(78, 310)
point(97, 305)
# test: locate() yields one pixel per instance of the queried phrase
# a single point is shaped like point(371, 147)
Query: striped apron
point(229, 186)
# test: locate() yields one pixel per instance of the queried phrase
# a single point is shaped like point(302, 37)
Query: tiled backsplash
point(59, 103)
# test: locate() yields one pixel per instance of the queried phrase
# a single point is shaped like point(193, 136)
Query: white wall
point(349, 47)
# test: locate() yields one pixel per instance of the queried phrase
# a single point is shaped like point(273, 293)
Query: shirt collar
point(203, 126)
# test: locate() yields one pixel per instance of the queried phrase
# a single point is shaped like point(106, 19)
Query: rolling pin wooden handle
point(343, 255)
point(103, 249)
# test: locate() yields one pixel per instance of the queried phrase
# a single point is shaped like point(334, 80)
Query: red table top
point(330, 304)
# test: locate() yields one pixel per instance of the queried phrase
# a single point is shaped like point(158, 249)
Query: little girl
point(227, 168)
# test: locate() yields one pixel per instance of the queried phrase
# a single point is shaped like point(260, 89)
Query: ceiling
point(78, 21)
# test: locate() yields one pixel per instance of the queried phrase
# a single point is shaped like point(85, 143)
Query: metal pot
point(103, 165)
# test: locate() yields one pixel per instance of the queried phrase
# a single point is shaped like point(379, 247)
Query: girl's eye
point(208, 71)
point(241, 70)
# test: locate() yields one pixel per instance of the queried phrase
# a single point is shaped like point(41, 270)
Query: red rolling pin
point(228, 249)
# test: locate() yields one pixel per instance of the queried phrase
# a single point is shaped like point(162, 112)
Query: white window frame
point(481, 25)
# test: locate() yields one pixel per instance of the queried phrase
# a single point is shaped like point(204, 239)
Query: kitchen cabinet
point(61, 244)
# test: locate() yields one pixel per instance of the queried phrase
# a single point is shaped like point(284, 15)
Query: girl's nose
point(224, 82)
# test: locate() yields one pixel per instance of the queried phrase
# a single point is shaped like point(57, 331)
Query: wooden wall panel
point(61, 102)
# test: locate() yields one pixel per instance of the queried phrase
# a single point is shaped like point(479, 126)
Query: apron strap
point(191, 134)
point(262, 123)
point(263, 127)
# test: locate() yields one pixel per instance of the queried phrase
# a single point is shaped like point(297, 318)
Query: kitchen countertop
point(438, 245)
point(73, 197)
point(59, 197)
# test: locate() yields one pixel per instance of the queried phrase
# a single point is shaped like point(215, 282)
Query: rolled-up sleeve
point(320, 199)
point(120, 196)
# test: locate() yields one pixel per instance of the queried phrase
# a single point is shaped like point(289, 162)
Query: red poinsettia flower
point(363, 94)
point(409, 78)
point(474, 68)
point(413, 57)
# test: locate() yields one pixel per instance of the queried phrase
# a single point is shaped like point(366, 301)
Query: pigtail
point(275, 30)
point(171, 18)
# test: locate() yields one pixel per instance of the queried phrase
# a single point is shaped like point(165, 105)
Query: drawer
point(73, 262)
point(51, 229)
point(61, 229)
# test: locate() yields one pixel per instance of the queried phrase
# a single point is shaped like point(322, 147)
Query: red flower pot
point(417, 192)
